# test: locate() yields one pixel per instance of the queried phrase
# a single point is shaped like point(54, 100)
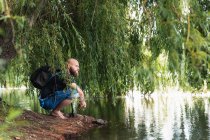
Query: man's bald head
point(72, 61)
point(73, 66)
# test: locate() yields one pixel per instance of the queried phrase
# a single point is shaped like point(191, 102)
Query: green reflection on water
point(159, 117)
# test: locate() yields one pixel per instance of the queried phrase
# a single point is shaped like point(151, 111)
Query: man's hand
point(82, 104)
point(73, 85)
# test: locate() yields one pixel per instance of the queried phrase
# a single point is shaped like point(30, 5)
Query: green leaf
point(13, 113)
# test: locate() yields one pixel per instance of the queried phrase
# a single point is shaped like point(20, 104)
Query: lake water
point(134, 117)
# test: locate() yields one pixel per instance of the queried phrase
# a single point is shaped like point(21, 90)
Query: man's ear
point(68, 65)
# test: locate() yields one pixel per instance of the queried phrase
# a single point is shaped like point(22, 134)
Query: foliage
point(7, 127)
point(118, 42)
point(173, 27)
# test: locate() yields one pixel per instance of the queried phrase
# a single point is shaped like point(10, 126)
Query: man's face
point(74, 68)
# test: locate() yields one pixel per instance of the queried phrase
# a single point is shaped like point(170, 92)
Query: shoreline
point(44, 127)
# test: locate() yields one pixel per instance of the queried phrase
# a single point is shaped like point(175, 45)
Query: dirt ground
point(45, 127)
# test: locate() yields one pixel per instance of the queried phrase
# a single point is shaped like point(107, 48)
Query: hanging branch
point(37, 12)
point(93, 13)
point(188, 28)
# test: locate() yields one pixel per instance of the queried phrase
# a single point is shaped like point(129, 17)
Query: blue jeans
point(51, 102)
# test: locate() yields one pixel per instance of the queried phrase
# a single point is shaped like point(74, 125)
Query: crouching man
point(59, 93)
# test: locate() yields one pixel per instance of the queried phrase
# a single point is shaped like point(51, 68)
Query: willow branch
point(188, 28)
point(37, 12)
point(93, 12)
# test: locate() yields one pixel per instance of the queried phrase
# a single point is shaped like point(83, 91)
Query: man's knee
point(66, 102)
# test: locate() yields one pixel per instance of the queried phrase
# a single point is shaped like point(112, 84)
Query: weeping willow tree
point(119, 43)
point(178, 29)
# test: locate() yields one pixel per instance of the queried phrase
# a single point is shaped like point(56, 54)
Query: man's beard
point(72, 72)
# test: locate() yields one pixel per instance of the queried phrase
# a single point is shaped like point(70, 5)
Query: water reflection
point(161, 116)
point(21, 98)
point(169, 116)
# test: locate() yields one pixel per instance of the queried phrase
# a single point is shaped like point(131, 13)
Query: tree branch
point(188, 28)
point(37, 12)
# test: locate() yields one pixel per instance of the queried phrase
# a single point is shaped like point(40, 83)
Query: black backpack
point(41, 76)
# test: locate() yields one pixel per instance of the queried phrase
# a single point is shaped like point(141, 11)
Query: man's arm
point(82, 98)
point(81, 94)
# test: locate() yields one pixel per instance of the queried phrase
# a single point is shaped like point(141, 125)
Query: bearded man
point(62, 91)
